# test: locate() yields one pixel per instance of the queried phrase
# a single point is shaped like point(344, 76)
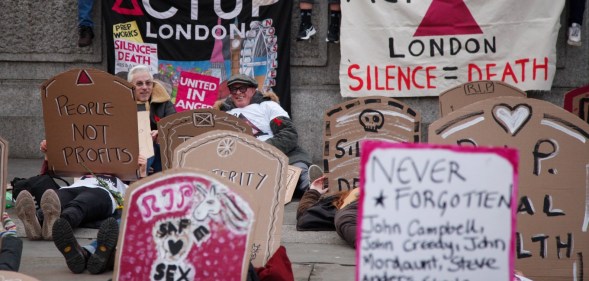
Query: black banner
point(214, 37)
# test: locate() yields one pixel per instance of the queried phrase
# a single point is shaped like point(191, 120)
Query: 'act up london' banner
point(421, 48)
point(213, 38)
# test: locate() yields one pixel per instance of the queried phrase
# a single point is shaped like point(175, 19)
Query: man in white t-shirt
point(269, 121)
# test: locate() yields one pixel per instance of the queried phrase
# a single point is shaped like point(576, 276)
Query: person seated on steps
point(92, 198)
point(269, 121)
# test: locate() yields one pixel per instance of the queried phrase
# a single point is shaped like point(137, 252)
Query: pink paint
point(196, 91)
point(219, 256)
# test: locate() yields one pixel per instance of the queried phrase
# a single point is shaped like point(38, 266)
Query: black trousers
point(11, 253)
point(83, 204)
point(576, 11)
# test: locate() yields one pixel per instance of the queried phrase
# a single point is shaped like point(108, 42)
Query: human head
point(141, 78)
point(242, 88)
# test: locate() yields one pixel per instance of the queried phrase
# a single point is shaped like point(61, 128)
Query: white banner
point(413, 48)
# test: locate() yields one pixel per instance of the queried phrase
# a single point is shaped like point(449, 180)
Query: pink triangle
point(135, 11)
point(447, 17)
point(84, 78)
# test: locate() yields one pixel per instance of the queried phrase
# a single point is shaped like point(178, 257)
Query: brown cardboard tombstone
point(254, 165)
point(3, 172)
point(291, 182)
point(177, 128)
point(577, 102)
point(184, 222)
point(346, 124)
point(89, 115)
point(468, 93)
point(554, 152)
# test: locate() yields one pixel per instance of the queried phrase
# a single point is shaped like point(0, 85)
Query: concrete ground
point(314, 255)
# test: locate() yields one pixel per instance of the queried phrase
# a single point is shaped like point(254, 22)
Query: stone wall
point(38, 39)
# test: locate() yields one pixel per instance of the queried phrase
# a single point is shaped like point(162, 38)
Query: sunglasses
point(146, 83)
point(241, 89)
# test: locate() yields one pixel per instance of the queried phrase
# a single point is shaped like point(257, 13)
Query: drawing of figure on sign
point(553, 145)
point(371, 120)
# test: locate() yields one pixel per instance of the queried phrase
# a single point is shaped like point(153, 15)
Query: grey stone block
point(45, 31)
point(323, 272)
point(21, 98)
point(23, 135)
point(312, 52)
point(320, 253)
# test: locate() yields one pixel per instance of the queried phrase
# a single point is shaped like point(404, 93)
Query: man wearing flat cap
point(269, 121)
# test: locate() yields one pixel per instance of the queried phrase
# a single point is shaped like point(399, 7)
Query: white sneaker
point(574, 35)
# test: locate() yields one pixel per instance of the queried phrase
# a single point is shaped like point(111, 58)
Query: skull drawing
point(371, 120)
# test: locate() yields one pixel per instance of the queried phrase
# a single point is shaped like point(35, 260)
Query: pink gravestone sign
point(184, 225)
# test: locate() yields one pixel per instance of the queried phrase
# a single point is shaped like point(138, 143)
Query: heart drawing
point(512, 119)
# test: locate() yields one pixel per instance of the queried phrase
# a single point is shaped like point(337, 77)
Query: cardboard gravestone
point(184, 225)
point(255, 166)
point(553, 145)
point(196, 91)
point(88, 115)
point(436, 212)
point(3, 172)
point(177, 128)
point(468, 93)
point(348, 123)
point(577, 102)
point(292, 179)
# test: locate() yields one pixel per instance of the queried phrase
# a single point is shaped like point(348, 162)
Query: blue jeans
point(85, 13)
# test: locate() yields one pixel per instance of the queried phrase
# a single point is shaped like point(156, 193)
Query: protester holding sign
point(153, 97)
point(269, 121)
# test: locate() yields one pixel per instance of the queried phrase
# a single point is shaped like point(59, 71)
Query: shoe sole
point(329, 41)
point(25, 211)
point(308, 35)
point(573, 43)
point(51, 208)
point(108, 234)
point(66, 243)
point(315, 172)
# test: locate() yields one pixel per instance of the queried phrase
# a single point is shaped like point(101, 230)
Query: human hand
point(318, 185)
point(154, 135)
point(43, 146)
point(141, 160)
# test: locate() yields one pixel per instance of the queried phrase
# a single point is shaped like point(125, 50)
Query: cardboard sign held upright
point(255, 166)
point(177, 128)
point(554, 148)
point(468, 93)
point(436, 213)
point(577, 102)
point(3, 172)
point(88, 116)
point(184, 223)
point(196, 91)
point(348, 123)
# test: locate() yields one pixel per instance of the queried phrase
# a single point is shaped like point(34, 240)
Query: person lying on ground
point(319, 211)
point(92, 198)
point(11, 250)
